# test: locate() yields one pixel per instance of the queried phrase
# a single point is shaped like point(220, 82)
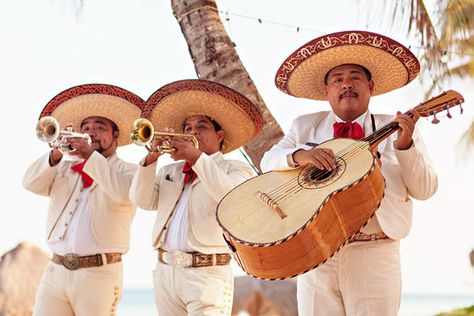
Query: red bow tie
point(189, 174)
point(86, 179)
point(348, 130)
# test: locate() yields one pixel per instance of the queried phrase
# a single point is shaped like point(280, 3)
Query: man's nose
point(347, 85)
point(193, 131)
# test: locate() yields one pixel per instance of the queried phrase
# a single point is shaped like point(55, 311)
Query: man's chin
point(97, 148)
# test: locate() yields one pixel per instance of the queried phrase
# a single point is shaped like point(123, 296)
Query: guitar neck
point(382, 133)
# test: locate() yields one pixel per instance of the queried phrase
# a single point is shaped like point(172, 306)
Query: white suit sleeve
point(418, 174)
point(216, 181)
point(277, 157)
point(115, 182)
point(40, 176)
point(144, 190)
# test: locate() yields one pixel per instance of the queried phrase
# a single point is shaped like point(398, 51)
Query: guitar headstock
point(439, 103)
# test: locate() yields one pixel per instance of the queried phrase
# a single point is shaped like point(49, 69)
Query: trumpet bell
point(142, 132)
point(47, 129)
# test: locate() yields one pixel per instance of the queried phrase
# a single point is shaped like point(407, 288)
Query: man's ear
point(371, 86)
point(116, 135)
point(220, 135)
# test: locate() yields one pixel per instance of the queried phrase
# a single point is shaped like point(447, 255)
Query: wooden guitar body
point(284, 223)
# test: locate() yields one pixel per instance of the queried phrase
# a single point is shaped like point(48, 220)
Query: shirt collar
point(360, 119)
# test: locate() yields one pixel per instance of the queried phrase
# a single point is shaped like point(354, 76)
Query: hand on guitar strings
point(322, 158)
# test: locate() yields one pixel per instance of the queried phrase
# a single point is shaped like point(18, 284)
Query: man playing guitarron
point(346, 69)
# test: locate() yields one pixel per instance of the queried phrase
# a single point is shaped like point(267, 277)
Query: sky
point(49, 46)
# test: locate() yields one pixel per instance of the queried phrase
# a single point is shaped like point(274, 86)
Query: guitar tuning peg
point(449, 114)
point(435, 119)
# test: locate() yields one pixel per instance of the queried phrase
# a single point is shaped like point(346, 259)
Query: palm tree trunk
point(216, 59)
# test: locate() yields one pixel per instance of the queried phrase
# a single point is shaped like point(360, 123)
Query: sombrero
point(169, 106)
point(390, 63)
point(77, 103)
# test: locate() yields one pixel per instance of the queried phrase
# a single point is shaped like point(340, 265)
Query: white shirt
point(177, 235)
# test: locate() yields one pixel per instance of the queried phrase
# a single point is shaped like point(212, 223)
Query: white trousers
point(193, 291)
point(82, 292)
point(362, 279)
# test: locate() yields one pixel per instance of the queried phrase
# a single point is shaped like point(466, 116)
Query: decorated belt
point(71, 261)
point(360, 236)
point(182, 259)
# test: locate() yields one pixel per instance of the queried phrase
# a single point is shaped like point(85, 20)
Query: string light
point(444, 56)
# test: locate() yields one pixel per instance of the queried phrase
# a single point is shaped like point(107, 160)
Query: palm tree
point(456, 37)
point(216, 59)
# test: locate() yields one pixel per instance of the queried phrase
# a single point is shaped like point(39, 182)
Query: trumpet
point(143, 134)
point(49, 131)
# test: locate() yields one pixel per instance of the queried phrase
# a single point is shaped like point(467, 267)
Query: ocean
point(139, 302)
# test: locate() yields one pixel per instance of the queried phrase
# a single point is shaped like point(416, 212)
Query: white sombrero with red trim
point(75, 104)
point(390, 64)
point(173, 103)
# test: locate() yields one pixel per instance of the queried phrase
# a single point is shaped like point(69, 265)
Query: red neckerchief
point(86, 179)
point(348, 130)
point(189, 174)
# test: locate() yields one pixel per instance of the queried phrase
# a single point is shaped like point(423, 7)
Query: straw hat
point(390, 63)
point(77, 103)
point(170, 105)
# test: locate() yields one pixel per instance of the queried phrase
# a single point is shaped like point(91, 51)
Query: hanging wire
point(249, 161)
point(298, 28)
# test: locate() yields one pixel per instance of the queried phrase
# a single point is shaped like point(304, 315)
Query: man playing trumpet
point(193, 275)
point(89, 217)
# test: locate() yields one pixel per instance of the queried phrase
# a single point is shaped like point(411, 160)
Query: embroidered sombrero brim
point(75, 104)
point(170, 105)
point(390, 63)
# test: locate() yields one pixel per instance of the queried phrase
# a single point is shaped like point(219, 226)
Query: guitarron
point(284, 223)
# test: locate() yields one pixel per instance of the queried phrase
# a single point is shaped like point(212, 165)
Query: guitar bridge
point(272, 204)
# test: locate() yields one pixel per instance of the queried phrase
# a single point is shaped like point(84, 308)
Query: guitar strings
point(290, 187)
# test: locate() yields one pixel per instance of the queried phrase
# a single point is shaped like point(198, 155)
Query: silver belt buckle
point(71, 261)
point(178, 258)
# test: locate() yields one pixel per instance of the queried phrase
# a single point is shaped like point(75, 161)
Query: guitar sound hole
point(311, 177)
point(320, 175)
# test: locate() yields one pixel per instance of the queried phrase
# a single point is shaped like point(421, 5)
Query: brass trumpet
point(143, 134)
point(49, 131)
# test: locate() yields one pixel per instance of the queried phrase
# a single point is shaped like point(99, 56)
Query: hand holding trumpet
point(180, 146)
point(184, 150)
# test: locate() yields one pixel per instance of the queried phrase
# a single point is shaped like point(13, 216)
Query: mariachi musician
point(346, 69)
point(89, 217)
point(192, 274)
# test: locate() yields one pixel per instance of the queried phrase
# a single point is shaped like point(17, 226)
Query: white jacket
point(216, 177)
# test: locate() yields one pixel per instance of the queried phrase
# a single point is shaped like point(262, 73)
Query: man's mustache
point(349, 93)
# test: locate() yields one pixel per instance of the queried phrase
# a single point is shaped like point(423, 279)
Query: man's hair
point(217, 127)
point(367, 73)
